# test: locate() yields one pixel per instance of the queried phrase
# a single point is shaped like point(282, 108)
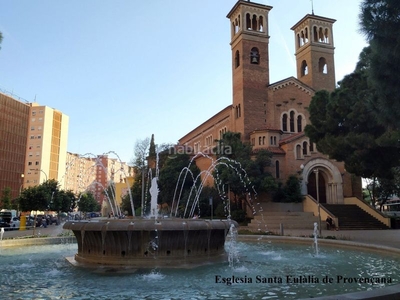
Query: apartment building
point(14, 115)
point(46, 149)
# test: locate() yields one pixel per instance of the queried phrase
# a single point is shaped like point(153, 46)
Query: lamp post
point(22, 184)
point(316, 171)
point(44, 173)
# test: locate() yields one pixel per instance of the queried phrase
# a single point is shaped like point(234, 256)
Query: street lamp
point(316, 171)
point(22, 184)
point(44, 173)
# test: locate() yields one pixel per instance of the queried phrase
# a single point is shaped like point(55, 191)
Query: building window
point(305, 148)
point(304, 68)
point(299, 123)
point(237, 59)
point(322, 66)
point(254, 56)
point(292, 121)
point(311, 147)
point(298, 152)
point(277, 171)
point(238, 111)
point(284, 122)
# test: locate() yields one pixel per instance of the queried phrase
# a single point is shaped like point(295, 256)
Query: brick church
point(272, 115)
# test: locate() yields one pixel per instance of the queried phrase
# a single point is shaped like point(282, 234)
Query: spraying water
point(233, 252)
point(316, 238)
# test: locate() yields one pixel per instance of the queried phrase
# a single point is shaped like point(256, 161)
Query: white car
point(14, 223)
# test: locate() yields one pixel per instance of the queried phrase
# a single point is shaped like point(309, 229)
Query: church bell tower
point(315, 52)
point(250, 65)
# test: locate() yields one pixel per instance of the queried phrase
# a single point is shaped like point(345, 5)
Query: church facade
point(273, 116)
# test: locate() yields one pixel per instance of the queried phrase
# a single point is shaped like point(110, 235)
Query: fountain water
point(266, 269)
point(155, 241)
point(316, 238)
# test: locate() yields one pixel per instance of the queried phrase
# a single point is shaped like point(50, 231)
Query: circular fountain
point(139, 243)
point(265, 267)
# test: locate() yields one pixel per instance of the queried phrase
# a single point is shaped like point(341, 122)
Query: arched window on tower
point(254, 56)
point(236, 25)
point(238, 111)
point(254, 22)
point(299, 124)
point(260, 23)
point(304, 68)
point(311, 147)
point(292, 121)
point(326, 36)
point(284, 122)
point(322, 66)
point(315, 33)
point(248, 21)
point(237, 59)
point(303, 37)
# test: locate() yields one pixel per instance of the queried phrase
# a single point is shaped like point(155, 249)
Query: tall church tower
point(315, 52)
point(250, 65)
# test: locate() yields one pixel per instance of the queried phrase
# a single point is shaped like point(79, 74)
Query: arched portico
point(322, 176)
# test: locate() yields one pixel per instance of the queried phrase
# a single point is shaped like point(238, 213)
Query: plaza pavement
point(387, 238)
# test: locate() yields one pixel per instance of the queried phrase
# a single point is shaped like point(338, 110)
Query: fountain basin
point(149, 243)
point(259, 256)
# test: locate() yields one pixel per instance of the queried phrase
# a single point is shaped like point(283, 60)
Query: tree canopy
point(380, 22)
point(345, 125)
point(87, 203)
point(243, 171)
point(47, 196)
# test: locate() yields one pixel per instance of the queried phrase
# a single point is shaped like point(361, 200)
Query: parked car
point(40, 219)
point(29, 221)
point(4, 223)
point(52, 219)
point(14, 223)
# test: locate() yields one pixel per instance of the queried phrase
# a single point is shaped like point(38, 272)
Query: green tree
point(380, 22)
point(87, 203)
point(152, 149)
point(242, 171)
point(34, 198)
point(345, 127)
point(292, 190)
point(5, 201)
point(172, 178)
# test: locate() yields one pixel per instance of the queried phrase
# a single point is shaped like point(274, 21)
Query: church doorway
point(312, 189)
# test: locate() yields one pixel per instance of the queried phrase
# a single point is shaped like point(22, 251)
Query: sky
point(123, 70)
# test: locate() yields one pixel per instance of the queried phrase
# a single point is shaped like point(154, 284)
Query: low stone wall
point(37, 241)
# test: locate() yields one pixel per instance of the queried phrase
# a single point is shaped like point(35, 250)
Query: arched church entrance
point(322, 175)
point(317, 185)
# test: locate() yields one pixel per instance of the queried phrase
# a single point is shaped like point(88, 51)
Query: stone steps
point(352, 217)
point(289, 220)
